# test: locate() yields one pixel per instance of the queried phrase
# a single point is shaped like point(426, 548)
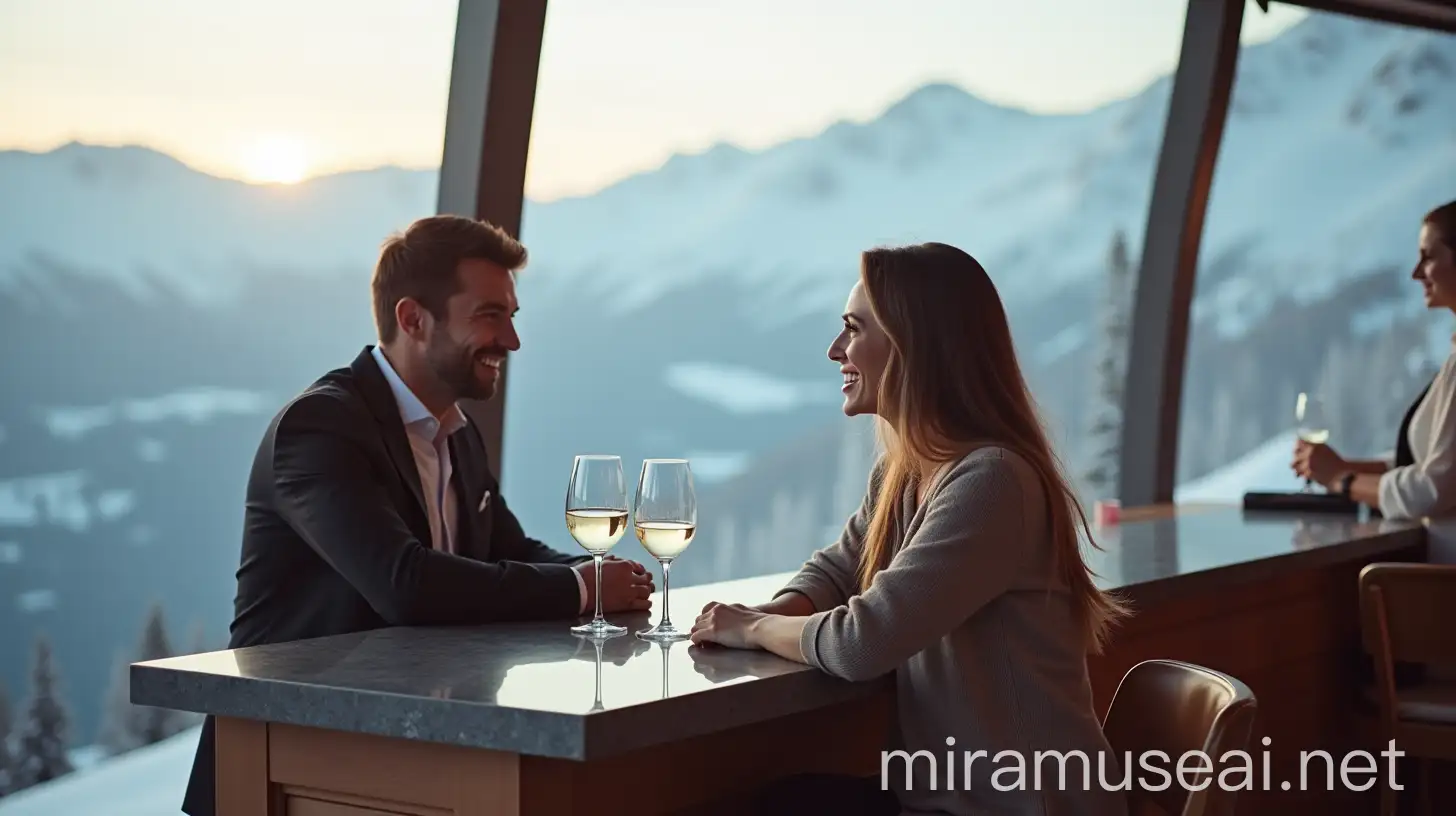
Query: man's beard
point(454, 366)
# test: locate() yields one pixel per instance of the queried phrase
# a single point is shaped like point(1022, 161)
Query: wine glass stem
point(597, 559)
point(666, 593)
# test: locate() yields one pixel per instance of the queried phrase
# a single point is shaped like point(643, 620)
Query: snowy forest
point(37, 743)
point(1362, 358)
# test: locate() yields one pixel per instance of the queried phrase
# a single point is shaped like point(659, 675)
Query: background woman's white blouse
point(1427, 488)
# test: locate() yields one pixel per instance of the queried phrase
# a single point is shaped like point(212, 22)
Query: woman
point(1421, 482)
point(961, 572)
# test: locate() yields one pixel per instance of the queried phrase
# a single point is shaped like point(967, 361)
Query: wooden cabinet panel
point(302, 806)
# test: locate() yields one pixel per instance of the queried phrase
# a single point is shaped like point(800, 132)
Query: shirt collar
point(411, 410)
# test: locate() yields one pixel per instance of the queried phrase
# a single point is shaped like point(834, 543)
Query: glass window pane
point(1338, 141)
point(701, 185)
point(192, 197)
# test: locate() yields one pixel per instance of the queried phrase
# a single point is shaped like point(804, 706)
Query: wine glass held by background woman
point(1421, 481)
point(961, 572)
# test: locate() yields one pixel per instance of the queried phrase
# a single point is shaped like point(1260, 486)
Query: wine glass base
point(664, 634)
point(599, 628)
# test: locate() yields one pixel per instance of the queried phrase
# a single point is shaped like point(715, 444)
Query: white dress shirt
point(1426, 489)
point(429, 439)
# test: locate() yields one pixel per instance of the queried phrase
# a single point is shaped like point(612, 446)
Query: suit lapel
point(380, 400)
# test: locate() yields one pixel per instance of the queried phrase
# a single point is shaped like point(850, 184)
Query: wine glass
point(666, 519)
point(596, 516)
point(1311, 423)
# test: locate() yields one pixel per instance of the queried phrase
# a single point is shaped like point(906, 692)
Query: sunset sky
point(281, 90)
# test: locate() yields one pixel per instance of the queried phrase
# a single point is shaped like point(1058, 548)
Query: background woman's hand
point(1318, 463)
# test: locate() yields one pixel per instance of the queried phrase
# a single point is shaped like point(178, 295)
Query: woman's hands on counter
point(748, 627)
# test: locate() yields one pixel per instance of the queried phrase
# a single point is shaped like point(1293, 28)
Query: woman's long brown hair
point(952, 384)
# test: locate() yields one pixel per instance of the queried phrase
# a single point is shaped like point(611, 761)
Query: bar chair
point(1175, 707)
point(1407, 612)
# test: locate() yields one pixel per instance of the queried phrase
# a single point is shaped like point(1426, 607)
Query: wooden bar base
point(1295, 641)
point(269, 769)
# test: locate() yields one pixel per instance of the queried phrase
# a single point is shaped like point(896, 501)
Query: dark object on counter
point(1301, 503)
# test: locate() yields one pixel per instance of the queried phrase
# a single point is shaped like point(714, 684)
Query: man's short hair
point(423, 261)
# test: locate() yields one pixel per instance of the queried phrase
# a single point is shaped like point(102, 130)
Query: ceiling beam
point(1439, 15)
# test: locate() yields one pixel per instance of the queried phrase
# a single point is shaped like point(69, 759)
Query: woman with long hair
point(1420, 481)
point(961, 572)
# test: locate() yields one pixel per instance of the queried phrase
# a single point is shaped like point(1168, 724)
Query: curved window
point(192, 196)
point(1338, 141)
point(701, 185)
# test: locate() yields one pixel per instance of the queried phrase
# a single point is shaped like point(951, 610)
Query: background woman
point(1421, 482)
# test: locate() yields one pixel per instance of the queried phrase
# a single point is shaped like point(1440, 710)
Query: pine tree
point(1105, 434)
point(115, 736)
point(7, 763)
point(187, 719)
point(149, 724)
point(41, 742)
point(1333, 388)
point(126, 726)
point(199, 640)
point(1220, 438)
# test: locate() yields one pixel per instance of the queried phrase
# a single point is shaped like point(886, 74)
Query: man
point(371, 502)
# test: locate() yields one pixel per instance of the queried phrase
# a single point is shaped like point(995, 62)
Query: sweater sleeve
point(966, 552)
point(1428, 487)
point(830, 577)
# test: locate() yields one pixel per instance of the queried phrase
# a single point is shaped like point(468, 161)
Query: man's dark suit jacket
point(336, 539)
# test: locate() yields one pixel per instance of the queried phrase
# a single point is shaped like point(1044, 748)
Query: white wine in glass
point(665, 540)
point(595, 529)
point(1310, 423)
point(665, 517)
point(596, 516)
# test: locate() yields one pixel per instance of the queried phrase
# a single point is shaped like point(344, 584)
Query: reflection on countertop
point(1200, 547)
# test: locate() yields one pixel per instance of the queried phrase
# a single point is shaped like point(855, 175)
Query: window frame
point(487, 136)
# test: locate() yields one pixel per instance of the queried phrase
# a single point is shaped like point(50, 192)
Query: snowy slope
point(149, 781)
point(1263, 468)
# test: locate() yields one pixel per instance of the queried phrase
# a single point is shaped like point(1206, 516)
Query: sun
point(276, 160)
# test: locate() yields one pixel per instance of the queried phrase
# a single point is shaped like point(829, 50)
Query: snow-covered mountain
point(1378, 102)
point(138, 216)
point(691, 306)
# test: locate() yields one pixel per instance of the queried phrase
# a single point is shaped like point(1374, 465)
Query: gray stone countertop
point(538, 689)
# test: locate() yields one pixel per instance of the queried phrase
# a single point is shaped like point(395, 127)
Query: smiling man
point(371, 502)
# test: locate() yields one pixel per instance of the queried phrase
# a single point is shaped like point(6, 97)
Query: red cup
point(1107, 513)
